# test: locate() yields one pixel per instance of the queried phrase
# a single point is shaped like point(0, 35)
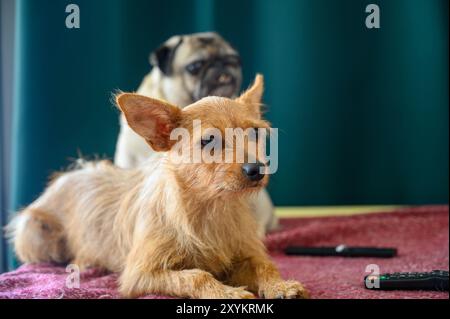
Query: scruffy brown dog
point(182, 229)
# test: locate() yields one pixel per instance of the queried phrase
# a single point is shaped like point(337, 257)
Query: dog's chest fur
point(205, 235)
point(212, 237)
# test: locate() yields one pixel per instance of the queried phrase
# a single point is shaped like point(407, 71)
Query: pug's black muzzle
point(218, 79)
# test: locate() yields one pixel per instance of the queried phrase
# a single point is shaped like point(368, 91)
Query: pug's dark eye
point(195, 67)
point(233, 60)
point(206, 140)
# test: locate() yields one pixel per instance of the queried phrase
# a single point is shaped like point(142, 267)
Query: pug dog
point(185, 69)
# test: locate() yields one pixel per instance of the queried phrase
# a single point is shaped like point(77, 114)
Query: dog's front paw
point(289, 289)
point(236, 293)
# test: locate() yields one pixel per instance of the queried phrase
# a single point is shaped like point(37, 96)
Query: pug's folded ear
point(152, 119)
point(163, 56)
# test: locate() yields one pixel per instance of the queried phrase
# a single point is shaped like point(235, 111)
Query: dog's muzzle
point(252, 171)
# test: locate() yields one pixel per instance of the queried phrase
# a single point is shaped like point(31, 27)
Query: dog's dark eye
point(254, 133)
point(195, 67)
point(206, 140)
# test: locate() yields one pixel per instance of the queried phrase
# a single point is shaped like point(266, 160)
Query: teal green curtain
point(362, 114)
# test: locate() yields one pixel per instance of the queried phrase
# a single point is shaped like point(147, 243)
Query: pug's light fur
point(185, 69)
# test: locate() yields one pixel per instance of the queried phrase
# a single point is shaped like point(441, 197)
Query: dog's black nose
point(252, 171)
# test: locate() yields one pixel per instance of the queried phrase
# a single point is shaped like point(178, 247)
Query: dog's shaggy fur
point(177, 229)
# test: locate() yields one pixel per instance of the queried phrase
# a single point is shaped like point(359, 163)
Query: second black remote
point(434, 280)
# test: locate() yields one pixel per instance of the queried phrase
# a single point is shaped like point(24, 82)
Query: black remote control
point(342, 251)
point(434, 280)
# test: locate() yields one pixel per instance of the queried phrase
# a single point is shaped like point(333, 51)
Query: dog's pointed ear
point(253, 96)
point(152, 119)
point(163, 56)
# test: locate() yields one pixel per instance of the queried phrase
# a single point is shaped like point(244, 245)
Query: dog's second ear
point(253, 96)
point(163, 56)
point(152, 119)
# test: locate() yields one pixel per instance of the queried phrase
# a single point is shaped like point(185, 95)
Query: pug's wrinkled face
point(200, 64)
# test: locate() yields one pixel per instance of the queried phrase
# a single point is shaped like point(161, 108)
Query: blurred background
point(362, 113)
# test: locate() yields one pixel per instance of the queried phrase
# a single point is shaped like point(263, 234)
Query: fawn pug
point(185, 69)
point(169, 227)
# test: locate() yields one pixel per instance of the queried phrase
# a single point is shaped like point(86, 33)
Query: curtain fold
point(362, 114)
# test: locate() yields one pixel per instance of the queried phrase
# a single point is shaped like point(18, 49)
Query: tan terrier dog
point(181, 229)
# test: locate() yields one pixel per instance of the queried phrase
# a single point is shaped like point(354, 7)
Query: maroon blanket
point(421, 235)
